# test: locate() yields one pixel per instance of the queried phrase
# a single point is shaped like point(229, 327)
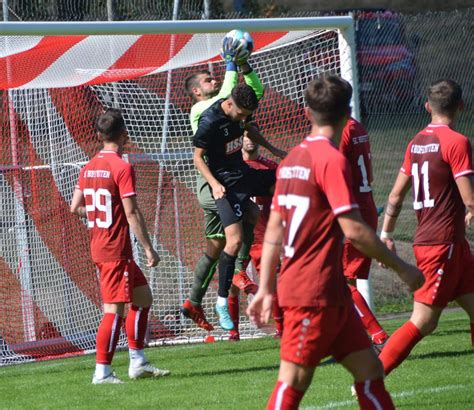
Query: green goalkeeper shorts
point(212, 221)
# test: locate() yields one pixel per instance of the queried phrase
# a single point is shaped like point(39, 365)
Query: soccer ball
point(239, 40)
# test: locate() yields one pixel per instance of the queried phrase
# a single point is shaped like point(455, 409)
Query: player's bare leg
point(368, 374)
point(293, 381)
point(136, 325)
point(423, 321)
point(467, 303)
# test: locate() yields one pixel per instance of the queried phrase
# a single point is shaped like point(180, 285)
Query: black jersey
point(222, 139)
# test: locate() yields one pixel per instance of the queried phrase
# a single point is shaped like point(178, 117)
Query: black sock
point(226, 273)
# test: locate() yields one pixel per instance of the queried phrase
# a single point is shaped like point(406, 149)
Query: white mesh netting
point(54, 303)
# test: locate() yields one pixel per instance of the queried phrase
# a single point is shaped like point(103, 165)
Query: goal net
point(52, 89)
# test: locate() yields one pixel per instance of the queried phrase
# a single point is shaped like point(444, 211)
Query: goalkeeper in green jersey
point(204, 91)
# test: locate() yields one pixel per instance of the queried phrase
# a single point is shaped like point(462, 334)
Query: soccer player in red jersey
point(438, 167)
point(105, 194)
point(313, 208)
point(355, 146)
point(251, 156)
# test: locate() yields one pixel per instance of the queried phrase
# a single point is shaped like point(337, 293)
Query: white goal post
point(57, 77)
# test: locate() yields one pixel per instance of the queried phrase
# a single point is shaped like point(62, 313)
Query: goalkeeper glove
point(233, 52)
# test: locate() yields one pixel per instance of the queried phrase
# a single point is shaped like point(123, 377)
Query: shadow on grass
point(459, 331)
point(438, 355)
point(228, 348)
point(234, 370)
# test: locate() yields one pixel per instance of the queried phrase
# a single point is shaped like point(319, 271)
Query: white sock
point(221, 301)
point(137, 357)
point(102, 370)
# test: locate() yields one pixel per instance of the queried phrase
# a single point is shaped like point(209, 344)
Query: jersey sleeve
point(126, 182)
point(459, 157)
point(335, 179)
point(252, 80)
point(202, 137)
point(406, 166)
point(230, 81)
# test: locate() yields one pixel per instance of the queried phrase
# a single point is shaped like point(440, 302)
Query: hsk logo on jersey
point(234, 145)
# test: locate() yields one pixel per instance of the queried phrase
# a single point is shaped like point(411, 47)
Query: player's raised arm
point(255, 135)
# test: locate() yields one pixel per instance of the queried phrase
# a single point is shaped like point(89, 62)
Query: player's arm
point(393, 208)
point(255, 135)
point(465, 185)
point(252, 80)
point(218, 190)
point(78, 204)
point(137, 224)
point(260, 309)
point(366, 241)
point(230, 81)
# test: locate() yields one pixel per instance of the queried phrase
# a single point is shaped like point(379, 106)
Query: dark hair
point(444, 96)
point(110, 124)
point(329, 99)
point(191, 81)
point(244, 97)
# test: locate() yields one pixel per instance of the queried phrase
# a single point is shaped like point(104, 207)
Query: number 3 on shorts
point(237, 210)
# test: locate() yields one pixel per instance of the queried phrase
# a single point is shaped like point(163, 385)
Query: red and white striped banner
point(68, 61)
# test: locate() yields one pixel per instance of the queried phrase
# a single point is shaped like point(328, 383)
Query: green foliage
point(242, 375)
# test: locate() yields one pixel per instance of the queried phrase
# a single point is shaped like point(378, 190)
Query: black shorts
point(256, 182)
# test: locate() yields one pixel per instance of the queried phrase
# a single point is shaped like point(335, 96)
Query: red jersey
point(264, 202)
point(313, 188)
point(355, 146)
point(434, 159)
point(104, 180)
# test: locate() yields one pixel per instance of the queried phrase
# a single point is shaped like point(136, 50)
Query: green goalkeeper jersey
point(206, 201)
point(230, 81)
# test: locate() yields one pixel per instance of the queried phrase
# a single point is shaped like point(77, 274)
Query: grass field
point(439, 374)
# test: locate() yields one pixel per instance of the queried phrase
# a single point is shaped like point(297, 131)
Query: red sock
point(234, 311)
point(472, 334)
point(284, 397)
point(135, 324)
point(377, 334)
point(277, 313)
point(373, 395)
point(107, 338)
point(399, 346)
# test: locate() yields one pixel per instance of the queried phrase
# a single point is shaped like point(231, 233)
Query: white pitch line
point(408, 393)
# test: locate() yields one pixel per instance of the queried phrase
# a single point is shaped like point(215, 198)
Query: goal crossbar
point(173, 27)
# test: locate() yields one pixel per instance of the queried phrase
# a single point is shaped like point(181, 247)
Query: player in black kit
point(218, 157)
